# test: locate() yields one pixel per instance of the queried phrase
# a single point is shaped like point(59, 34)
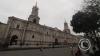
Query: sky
point(52, 13)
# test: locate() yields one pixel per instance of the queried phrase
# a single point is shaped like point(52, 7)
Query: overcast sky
point(52, 13)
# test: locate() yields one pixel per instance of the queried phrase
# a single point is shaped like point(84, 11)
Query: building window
point(56, 41)
point(13, 40)
point(47, 33)
point(32, 36)
point(34, 21)
point(17, 26)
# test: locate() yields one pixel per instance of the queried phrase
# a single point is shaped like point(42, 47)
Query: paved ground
point(38, 52)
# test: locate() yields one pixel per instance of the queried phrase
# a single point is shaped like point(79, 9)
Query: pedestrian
point(78, 53)
point(41, 49)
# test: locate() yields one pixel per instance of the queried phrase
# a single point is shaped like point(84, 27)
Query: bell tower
point(34, 15)
point(66, 28)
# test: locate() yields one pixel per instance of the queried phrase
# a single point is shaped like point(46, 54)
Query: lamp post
point(72, 50)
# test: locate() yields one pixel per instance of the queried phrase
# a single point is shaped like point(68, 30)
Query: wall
point(3, 28)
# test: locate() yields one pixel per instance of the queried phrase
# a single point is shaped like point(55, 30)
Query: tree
point(91, 6)
point(87, 21)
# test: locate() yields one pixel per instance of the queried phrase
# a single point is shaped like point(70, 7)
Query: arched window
point(34, 20)
point(18, 26)
point(56, 41)
point(47, 33)
point(33, 36)
point(13, 40)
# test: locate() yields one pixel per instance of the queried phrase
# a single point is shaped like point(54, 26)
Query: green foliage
point(85, 22)
point(88, 19)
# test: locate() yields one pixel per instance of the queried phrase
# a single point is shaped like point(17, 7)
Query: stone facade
point(3, 29)
point(31, 32)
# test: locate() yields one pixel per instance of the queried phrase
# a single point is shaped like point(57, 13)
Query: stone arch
point(13, 40)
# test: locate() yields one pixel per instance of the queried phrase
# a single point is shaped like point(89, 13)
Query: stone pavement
point(38, 52)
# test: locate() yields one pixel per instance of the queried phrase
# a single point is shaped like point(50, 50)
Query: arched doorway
point(56, 41)
point(13, 40)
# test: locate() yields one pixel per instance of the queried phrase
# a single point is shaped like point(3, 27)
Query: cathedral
point(29, 32)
